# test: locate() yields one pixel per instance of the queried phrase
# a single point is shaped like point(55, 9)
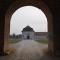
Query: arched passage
point(37, 3)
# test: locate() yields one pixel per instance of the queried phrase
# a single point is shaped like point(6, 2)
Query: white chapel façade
point(29, 33)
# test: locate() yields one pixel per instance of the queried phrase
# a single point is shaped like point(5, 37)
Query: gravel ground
point(26, 50)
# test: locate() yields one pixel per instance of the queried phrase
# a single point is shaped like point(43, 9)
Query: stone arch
point(20, 3)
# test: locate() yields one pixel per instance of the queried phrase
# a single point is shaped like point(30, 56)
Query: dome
point(27, 28)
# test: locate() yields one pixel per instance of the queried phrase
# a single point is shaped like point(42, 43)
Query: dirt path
point(27, 50)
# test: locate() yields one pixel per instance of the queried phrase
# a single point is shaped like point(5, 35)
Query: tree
point(13, 35)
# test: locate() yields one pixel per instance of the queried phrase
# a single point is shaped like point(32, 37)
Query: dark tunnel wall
point(54, 6)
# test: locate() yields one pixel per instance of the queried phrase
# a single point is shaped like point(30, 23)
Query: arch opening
point(28, 15)
point(32, 17)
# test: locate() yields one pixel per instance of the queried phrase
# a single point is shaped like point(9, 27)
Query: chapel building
point(30, 34)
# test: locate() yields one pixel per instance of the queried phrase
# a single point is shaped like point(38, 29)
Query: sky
point(28, 15)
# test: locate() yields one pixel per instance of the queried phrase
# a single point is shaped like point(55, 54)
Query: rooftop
point(27, 28)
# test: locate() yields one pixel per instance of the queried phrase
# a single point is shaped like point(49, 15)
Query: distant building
point(41, 35)
point(29, 33)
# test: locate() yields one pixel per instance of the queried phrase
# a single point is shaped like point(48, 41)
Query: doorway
point(28, 37)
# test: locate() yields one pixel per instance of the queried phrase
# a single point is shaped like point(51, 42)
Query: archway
point(39, 4)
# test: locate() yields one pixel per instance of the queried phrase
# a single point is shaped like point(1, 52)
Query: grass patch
point(44, 41)
point(14, 41)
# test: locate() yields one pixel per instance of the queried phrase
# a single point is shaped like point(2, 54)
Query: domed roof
point(27, 28)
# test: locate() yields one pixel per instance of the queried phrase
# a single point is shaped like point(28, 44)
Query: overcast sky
point(28, 15)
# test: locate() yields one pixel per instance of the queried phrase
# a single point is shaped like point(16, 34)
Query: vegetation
point(14, 40)
point(44, 41)
point(14, 36)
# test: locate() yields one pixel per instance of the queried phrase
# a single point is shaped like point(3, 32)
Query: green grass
point(14, 41)
point(44, 41)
